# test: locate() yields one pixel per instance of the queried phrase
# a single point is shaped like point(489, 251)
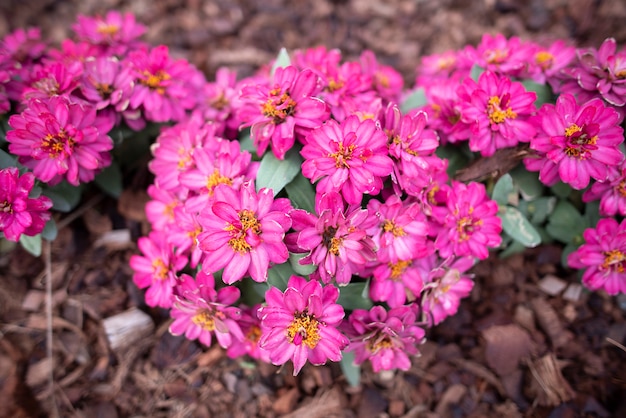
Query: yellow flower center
point(58, 144)
point(104, 90)
point(154, 81)
point(248, 222)
point(621, 188)
point(343, 155)
point(577, 142)
point(390, 226)
point(215, 179)
point(6, 207)
point(465, 227)
point(334, 85)
point(398, 268)
point(205, 319)
point(496, 56)
point(160, 269)
point(496, 113)
point(544, 59)
point(374, 345)
point(278, 107)
point(304, 329)
point(613, 260)
point(107, 29)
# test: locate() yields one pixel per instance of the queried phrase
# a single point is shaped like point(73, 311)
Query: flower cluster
point(315, 182)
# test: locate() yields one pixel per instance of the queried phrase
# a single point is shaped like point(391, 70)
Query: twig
point(79, 212)
point(615, 343)
point(48, 261)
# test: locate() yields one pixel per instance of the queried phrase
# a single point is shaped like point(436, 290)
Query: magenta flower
point(611, 193)
point(54, 79)
point(156, 269)
point(59, 139)
point(163, 87)
point(115, 33)
point(250, 326)
point(221, 99)
point(472, 224)
point(445, 286)
point(21, 50)
point(350, 158)
point(283, 109)
point(548, 64)
point(395, 282)
point(160, 210)
point(200, 311)
point(386, 338)
point(19, 214)
point(500, 55)
point(337, 240)
point(603, 256)
point(243, 232)
point(444, 111)
point(301, 324)
point(387, 82)
point(576, 142)
point(497, 111)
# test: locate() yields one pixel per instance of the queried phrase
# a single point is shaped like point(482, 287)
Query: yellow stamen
point(390, 226)
point(398, 268)
point(107, 29)
point(206, 319)
point(544, 59)
point(343, 155)
point(153, 81)
point(160, 269)
point(307, 327)
point(215, 179)
point(495, 112)
point(614, 260)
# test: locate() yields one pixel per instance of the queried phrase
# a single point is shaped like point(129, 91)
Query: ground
point(527, 342)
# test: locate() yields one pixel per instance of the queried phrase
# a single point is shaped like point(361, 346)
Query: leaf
point(282, 60)
point(540, 208)
point(31, 244)
point(455, 156)
point(278, 276)
point(565, 223)
point(64, 196)
point(502, 189)
point(110, 180)
point(275, 174)
point(350, 369)
point(301, 269)
point(351, 296)
point(417, 98)
point(7, 160)
point(476, 71)
point(515, 247)
point(561, 189)
point(518, 227)
point(50, 231)
point(252, 292)
point(528, 182)
point(543, 91)
point(301, 193)
point(245, 142)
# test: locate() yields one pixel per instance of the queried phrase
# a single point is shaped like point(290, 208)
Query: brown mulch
point(529, 341)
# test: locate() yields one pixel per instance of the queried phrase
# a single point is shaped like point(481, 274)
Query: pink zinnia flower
point(21, 49)
point(444, 286)
point(350, 157)
point(444, 111)
point(386, 338)
point(221, 99)
point(250, 326)
point(603, 256)
point(548, 64)
point(576, 142)
point(156, 269)
point(59, 139)
point(243, 232)
point(283, 109)
point(54, 79)
point(611, 193)
point(163, 87)
point(115, 33)
point(499, 54)
point(395, 282)
point(337, 239)
point(472, 224)
point(497, 111)
point(301, 324)
point(19, 214)
point(387, 82)
point(200, 311)
point(160, 210)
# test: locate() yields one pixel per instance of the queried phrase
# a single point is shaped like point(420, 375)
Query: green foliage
point(350, 369)
point(301, 193)
point(566, 224)
point(476, 71)
point(282, 60)
point(275, 174)
point(278, 275)
point(110, 180)
point(417, 98)
point(518, 227)
point(502, 189)
point(543, 91)
point(31, 244)
point(64, 196)
point(301, 269)
point(50, 231)
point(7, 160)
point(355, 295)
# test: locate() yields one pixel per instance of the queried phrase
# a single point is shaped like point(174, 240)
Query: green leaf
point(301, 193)
point(515, 247)
point(502, 189)
point(540, 208)
point(252, 292)
point(455, 156)
point(278, 276)
point(31, 244)
point(50, 231)
point(245, 142)
point(110, 180)
point(417, 98)
point(282, 60)
point(301, 269)
point(275, 174)
point(565, 223)
point(476, 71)
point(351, 296)
point(350, 369)
point(7, 160)
point(518, 227)
point(528, 182)
point(64, 196)
point(543, 91)
point(561, 189)
point(592, 212)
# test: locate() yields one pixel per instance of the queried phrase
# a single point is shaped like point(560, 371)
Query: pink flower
point(19, 214)
point(59, 139)
point(444, 111)
point(350, 157)
point(115, 33)
point(576, 142)
point(200, 311)
point(472, 224)
point(500, 55)
point(301, 324)
point(21, 50)
point(243, 232)
point(603, 72)
point(387, 82)
point(221, 99)
point(250, 326)
point(395, 282)
point(156, 269)
point(160, 210)
point(386, 338)
point(183, 233)
point(548, 64)
point(612, 193)
point(54, 79)
point(163, 87)
point(283, 109)
point(337, 240)
point(445, 286)
point(437, 68)
point(603, 256)
point(497, 111)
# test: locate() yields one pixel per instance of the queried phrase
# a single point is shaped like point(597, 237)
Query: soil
point(529, 341)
